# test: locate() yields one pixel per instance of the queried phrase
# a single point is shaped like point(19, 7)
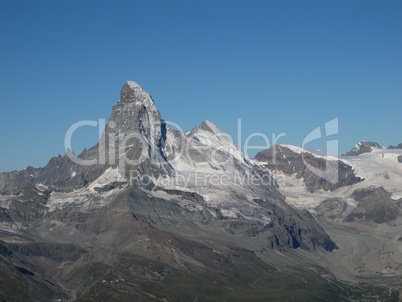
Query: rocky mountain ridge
point(157, 198)
point(148, 205)
point(363, 147)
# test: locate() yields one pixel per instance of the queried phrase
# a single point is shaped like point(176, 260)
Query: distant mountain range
point(154, 214)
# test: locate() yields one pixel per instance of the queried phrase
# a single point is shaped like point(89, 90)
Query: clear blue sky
point(280, 66)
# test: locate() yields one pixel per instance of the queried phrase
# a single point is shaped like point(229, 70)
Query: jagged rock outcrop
point(14, 180)
point(363, 147)
point(282, 158)
point(29, 205)
point(136, 137)
point(391, 147)
point(374, 204)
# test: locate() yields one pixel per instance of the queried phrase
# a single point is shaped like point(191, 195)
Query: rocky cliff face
point(136, 133)
point(283, 159)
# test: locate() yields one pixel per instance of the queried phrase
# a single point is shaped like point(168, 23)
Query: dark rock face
point(12, 181)
point(375, 204)
point(28, 206)
point(61, 174)
point(400, 158)
point(395, 147)
point(288, 228)
point(137, 121)
point(281, 158)
point(4, 251)
point(5, 216)
point(363, 147)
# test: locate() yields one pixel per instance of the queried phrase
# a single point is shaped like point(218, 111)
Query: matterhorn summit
point(135, 135)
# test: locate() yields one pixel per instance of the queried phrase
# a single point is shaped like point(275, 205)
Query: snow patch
point(108, 177)
point(379, 167)
point(88, 198)
point(295, 149)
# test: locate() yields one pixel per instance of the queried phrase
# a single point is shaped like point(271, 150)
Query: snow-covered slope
point(379, 168)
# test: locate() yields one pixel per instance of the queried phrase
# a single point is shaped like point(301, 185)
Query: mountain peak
point(133, 85)
point(395, 147)
point(132, 92)
point(211, 127)
point(363, 147)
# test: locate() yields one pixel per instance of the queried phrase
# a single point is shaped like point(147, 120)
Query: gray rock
point(374, 204)
point(28, 206)
point(281, 158)
point(363, 147)
point(288, 228)
point(395, 147)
